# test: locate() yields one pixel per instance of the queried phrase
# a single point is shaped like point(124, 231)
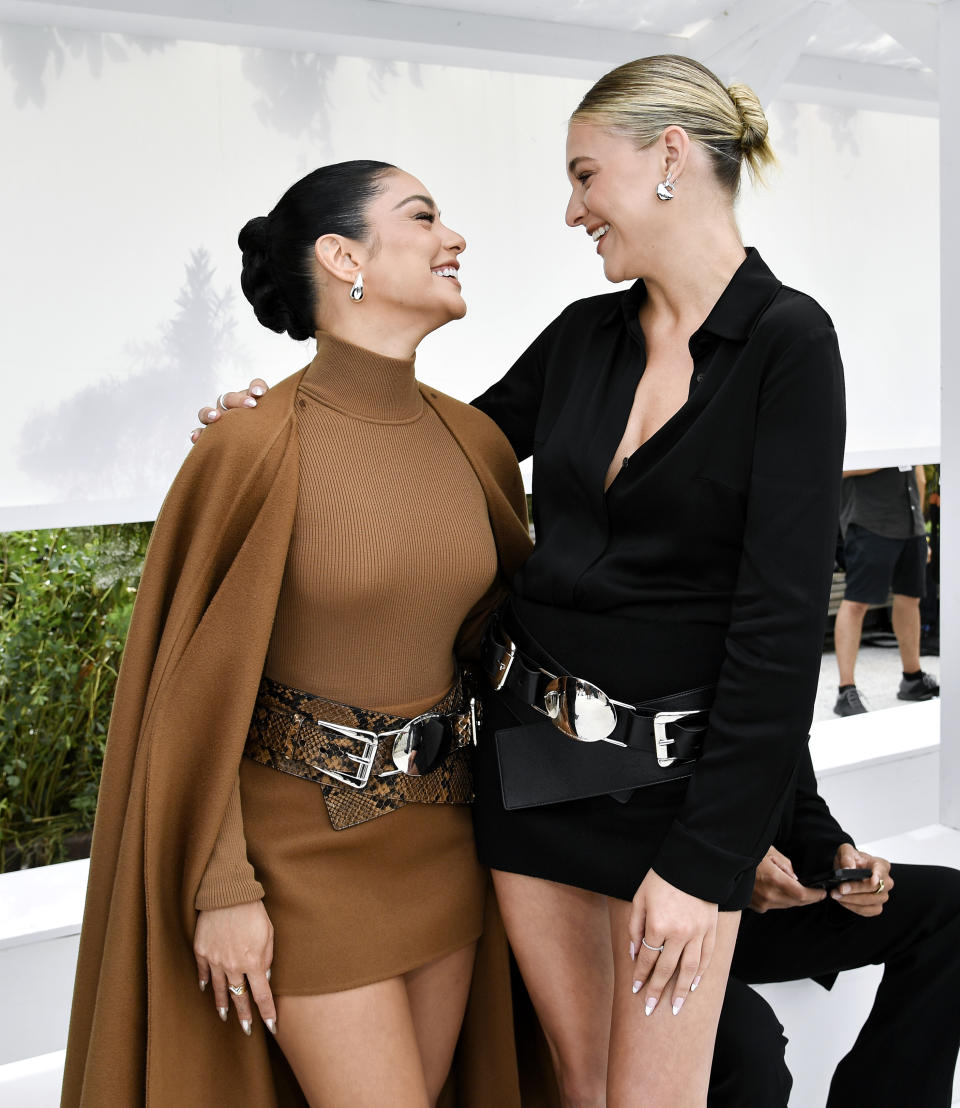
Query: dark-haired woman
point(283, 812)
point(687, 437)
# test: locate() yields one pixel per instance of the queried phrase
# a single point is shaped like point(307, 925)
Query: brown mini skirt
point(363, 904)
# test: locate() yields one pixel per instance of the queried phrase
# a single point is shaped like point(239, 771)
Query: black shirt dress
point(707, 561)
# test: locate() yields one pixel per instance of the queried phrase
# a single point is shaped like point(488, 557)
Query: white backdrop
point(129, 165)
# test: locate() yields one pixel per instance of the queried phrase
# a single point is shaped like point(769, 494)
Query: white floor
point(878, 675)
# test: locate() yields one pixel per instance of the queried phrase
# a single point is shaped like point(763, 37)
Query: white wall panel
point(130, 164)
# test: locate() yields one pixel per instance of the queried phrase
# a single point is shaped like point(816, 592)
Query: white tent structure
point(891, 56)
point(163, 102)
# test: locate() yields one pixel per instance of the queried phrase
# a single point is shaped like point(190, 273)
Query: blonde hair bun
point(755, 126)
point(643, 97)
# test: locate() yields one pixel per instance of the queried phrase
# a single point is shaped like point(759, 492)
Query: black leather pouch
point(541, 765)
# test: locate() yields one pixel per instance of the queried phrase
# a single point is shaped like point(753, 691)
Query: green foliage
point(65, 602)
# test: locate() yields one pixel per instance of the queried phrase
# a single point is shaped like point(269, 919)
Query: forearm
point(229, 877)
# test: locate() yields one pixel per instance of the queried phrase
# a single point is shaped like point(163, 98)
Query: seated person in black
point(907, 1048)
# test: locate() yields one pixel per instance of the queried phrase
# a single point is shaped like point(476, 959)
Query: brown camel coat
point(140, 1030)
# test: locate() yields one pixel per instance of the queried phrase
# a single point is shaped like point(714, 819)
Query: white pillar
point(949, 80)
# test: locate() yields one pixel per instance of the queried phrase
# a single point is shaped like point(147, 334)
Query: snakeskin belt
point(367, 763)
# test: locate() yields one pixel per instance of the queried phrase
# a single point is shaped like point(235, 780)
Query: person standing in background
point(885, 547)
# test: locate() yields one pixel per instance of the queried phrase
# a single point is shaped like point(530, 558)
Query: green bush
point(65, 603)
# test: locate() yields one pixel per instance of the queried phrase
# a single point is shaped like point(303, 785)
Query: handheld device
point(831, 878)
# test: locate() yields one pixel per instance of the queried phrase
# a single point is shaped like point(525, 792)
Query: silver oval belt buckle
point(419, 746)
point(580, 710)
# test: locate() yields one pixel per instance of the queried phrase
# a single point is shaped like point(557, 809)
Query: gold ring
point(879, 888)
point(238, 990)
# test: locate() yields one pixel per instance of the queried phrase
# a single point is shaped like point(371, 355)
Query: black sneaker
point(849, 703)
point(924, 687)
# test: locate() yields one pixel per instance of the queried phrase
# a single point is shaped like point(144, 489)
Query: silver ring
point(658, 949)
point(238, 990)
point(220, 403)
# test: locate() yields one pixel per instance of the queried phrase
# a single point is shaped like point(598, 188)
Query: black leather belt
point(672, 727)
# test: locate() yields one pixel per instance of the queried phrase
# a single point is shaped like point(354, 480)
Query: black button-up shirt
point(724, 520)
point(886, 502)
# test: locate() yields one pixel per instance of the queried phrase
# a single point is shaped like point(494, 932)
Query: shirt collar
point(749, 291)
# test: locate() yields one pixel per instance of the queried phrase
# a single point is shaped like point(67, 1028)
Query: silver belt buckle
point(473, 719)
point(580, 710)
point(506, 661)
point(365, 761)
point(404, 751)
point(661, 742)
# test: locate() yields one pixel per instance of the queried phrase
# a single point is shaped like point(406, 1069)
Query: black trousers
point(907, 1049)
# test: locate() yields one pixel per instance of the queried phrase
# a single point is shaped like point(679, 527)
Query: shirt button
point(699, 378)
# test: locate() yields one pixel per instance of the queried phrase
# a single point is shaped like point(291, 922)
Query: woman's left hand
point(686, 928)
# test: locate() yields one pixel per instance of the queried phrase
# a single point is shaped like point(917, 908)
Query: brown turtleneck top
point(391, 549)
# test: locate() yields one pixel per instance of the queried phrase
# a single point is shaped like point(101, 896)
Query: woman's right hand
point(234, 946)
point(246, 398)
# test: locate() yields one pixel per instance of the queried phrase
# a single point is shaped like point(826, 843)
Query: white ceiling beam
point(514, 45)
point(914, 25)
point(866, 85)
point(765, 56)
point(364, 28)
point(746, 19)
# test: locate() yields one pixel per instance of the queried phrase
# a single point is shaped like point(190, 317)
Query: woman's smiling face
point(614, 197)
point(413, 265)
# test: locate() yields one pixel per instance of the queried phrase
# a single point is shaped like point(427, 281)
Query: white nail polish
point(677, 1005)
point(223, 1013)
point(247, 1027)
point(696, 982)
point(249, 402)
point(268, 975)
point(637, 986)
point(257, 390)
point(272, 1026)
point(203, 985)
point(633, 950)
point(651, 1004)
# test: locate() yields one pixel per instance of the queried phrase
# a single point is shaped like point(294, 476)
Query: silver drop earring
point(667, 188)
point(356, 293)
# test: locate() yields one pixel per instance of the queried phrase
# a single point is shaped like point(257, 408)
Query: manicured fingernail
point(696, 982)
point(214, 414)
point(247, 1027)
point(257, 390)
point(272, 1026)
point(223, 1013)
point(249, 402)
point(633, 950)
point(651, 1004)
point(677, 1005)
point(844, 889)
point(268, 975)
point(637, 986)
point(203, 984)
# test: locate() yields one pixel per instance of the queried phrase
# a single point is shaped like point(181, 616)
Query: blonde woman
point(657, 665)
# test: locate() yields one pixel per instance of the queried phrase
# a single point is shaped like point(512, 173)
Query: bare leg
point(561, 939)
point(662, 1060)
point(906, 626)
point(438, 998)
point(355, 1049)
point(846, 637)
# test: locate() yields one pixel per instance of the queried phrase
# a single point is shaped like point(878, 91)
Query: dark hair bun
point(279, 267)
point(259, 283)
